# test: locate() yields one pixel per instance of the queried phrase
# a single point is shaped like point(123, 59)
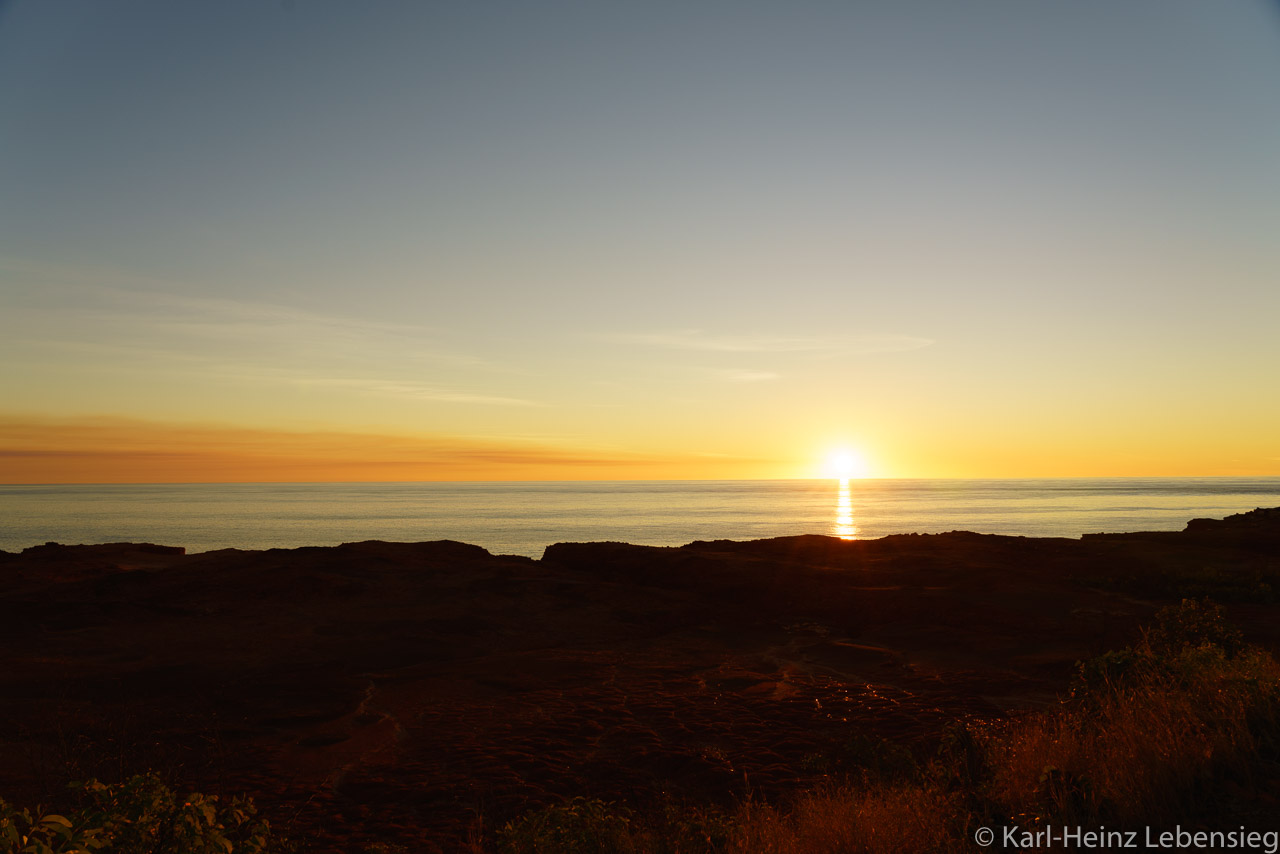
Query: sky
point(318, 240)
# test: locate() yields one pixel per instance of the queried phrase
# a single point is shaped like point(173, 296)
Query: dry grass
point(867, 819)
point(1144, 752)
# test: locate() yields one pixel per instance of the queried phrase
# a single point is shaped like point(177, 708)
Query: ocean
point(524, 518)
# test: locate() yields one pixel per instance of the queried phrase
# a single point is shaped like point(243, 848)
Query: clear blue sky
point(1011, 237)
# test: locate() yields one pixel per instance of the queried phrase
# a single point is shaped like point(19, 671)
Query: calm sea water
point(523, 518)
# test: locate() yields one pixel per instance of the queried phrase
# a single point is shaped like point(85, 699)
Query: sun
point(844, 464)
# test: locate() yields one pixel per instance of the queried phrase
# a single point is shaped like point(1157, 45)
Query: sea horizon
point(524, 517)
point(646, 480)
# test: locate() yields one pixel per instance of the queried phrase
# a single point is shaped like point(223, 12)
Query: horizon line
point(646, 480)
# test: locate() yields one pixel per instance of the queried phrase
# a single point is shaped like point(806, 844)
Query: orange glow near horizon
point(121, 450)
point(99, 449)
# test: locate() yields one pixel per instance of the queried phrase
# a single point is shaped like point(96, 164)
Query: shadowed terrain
point(415, 689)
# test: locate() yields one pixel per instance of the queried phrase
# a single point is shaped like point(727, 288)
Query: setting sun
point(844, 464)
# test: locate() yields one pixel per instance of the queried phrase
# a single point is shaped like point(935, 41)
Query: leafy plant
point(1109, 671)
point(1193, 623)
point(139, 816)
point(23, 833)
point(578, 826)
point(1185, 640)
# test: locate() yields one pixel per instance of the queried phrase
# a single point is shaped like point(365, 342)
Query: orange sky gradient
point(120, 450)
point(37, 450)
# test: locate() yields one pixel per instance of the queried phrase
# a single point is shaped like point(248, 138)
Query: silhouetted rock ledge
point(404, 686)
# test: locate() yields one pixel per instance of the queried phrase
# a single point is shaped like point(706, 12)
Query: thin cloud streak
point(57, 305)
point(103, 293)
point(267, 326)
point(153, 333)
point(746, 376)
point(697, 340)
point(414, 391)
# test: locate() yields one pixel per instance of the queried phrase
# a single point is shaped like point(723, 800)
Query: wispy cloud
point(745, 376)
point(153, 333)
point(698, 340)
point(272, 327)
point(415, 391)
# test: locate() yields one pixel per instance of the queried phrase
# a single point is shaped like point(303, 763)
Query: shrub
point(139, 816)
point(688, 830)
point(1107, 672)
point(1185, 640)
point(1194, 623)
point(578, 826)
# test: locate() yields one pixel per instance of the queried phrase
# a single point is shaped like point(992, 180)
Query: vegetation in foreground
point(142, 815)
point(1169, 731)
point(1166, 732)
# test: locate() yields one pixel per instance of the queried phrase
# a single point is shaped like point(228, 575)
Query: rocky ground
point(408, 692)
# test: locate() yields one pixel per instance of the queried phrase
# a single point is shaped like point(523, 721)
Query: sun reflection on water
point(844, 527)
